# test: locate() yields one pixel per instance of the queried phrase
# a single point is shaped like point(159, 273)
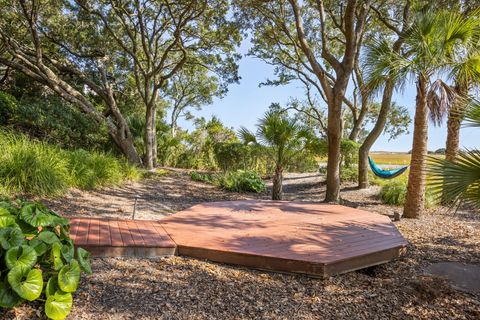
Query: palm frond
point(472, 115)
point(440, 99)
point(466, 71)
point(380, 62)
point(457, 182)
point(246, 136)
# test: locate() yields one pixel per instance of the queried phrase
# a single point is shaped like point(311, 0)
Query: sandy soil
point(184, 288)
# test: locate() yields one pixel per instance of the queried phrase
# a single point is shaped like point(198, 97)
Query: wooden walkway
point(310, 238)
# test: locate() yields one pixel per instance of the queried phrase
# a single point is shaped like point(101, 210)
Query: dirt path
point(160, 196)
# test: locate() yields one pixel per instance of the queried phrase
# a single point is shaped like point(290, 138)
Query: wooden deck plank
point(114, 238)
point(94, 233)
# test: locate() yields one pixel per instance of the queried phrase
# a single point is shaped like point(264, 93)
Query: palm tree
point(430, 44)
point(466, 73)
point(458, 181)
point(282, 138)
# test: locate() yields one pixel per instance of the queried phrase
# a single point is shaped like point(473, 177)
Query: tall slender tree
point(398, 27)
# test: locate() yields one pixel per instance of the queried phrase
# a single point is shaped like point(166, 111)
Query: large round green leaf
point(8, 297)
point(52, 286)
point(8, 207)
point(7, 221)
point(68, 251)
point(11, 237)
point(39, 246)
point(58, 305)
point(83, 257)
point(27, 283)
point(56, 255)
point(58, 220)
point(36, 215)
point(21, 256)
point(48, 237)
point(69, 277)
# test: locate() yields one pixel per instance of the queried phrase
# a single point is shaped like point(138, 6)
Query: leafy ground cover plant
point(38, 260)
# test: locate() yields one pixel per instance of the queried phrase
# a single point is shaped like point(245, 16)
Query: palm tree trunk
point(415, 198)
point(374, 134)
point(277, 190)
point(453, 124)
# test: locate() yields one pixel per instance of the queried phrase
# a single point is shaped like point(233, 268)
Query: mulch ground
point(185, 288)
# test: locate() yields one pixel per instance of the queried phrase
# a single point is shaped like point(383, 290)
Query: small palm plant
point(458, 181)
point(282, 138)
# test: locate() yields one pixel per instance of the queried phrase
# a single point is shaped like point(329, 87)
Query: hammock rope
point(385, 174)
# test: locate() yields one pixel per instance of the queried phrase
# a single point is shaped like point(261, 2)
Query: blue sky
point(246, 102)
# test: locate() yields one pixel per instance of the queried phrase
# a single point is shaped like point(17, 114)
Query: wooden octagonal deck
point(301, 237)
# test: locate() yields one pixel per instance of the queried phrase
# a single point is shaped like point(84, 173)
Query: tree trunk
point(454, 122)
point(334, 137)
point(415, 198)
point(374, 134)
point(357, 126)
point(150, 137)
point(277, 190)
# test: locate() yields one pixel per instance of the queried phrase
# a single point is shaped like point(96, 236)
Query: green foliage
point(8, 107)
point(233, 155)
point(239, 181)
point(457, 182)
point(349, 152)
point(51, 119)
point(242, 181)
point(199, 146)
point(90, 170)
point(202, 177)
point(37, 168)
point(37, 250)
point(394, 192)
point(32, 168)
point(349, 174)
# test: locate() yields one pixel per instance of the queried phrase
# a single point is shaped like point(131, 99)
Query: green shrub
point(242, 181)
point(394, 192)
point(55, 121)
point(349, 151)
point(202, 177)
point(8, 107)
point(39, 260)
point(40, 169)
point(239, 181)
point(349, 174)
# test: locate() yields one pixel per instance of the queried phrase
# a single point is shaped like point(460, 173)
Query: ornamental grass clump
point(38, 260)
